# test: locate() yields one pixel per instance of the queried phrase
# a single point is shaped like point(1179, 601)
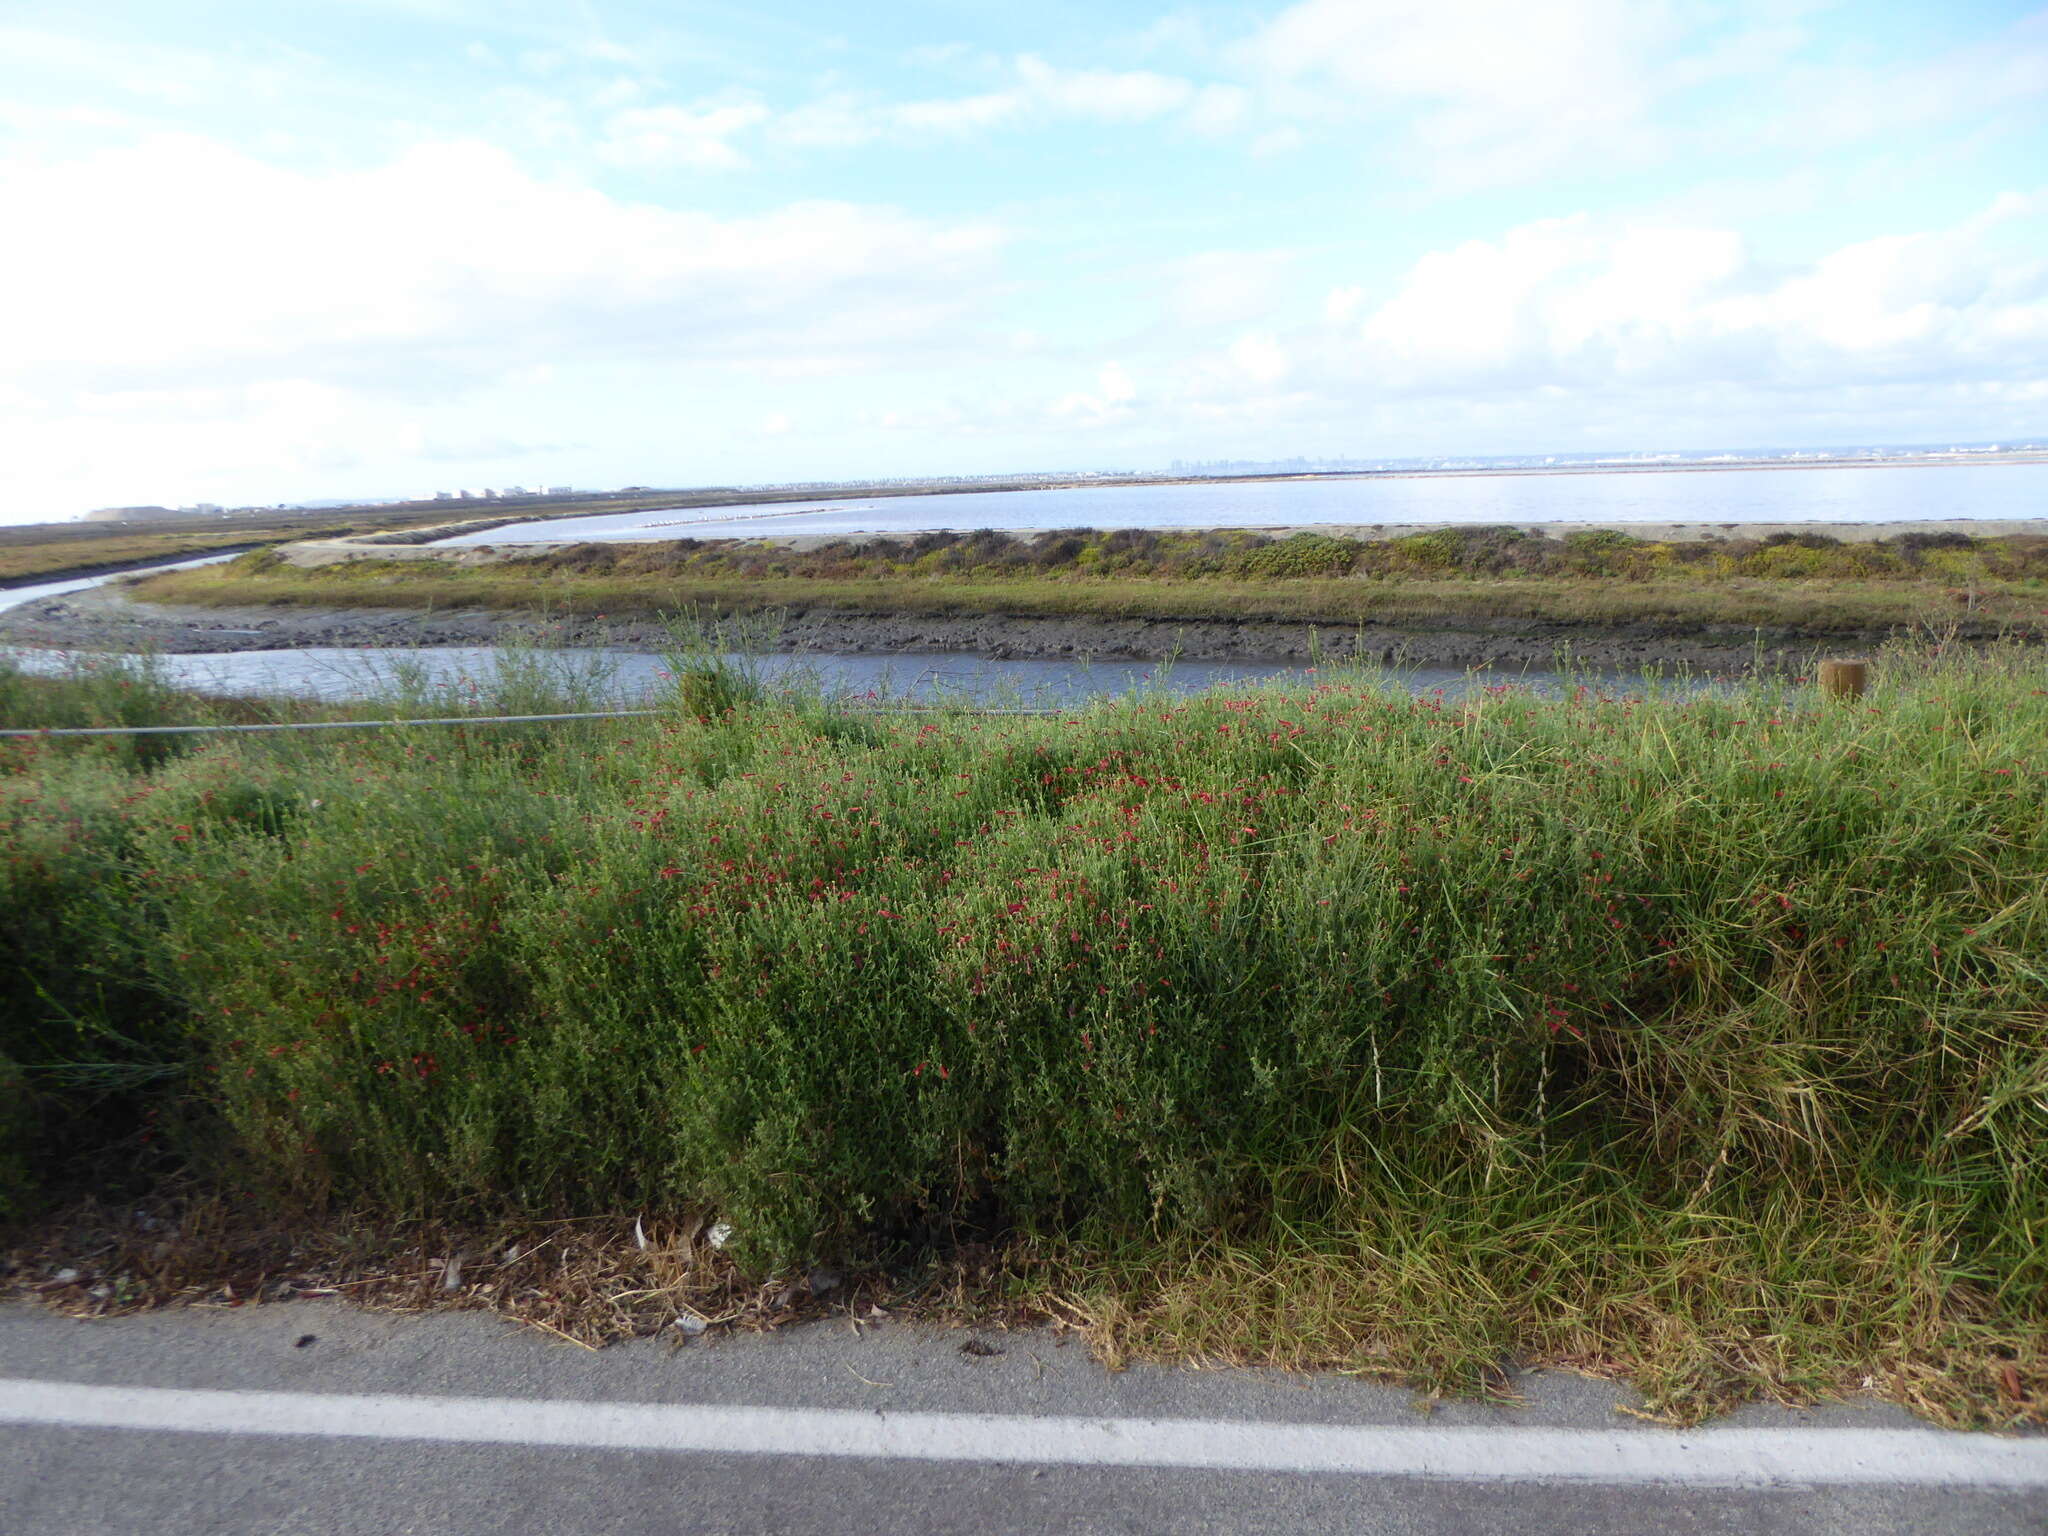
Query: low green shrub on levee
point(1333, 1024)
point(1808, 583)
point(1247, 554)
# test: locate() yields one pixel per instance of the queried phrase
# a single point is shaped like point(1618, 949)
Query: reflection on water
point(1732, 497)
point(452, 674)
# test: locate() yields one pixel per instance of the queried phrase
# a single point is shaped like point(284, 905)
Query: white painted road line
point(1721, 1458)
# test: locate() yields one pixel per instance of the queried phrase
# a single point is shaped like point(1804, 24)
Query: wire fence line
point(316, 725)
point(374, 725)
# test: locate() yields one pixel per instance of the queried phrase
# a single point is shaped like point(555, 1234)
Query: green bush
point(82, 1028)
point(1144, 971)
point(96, 1027)
point(1437, 551)
point(18, 1188)
point(1300, 555)
point(1715, 1018)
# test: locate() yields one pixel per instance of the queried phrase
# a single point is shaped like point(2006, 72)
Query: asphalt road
point(319, 1418)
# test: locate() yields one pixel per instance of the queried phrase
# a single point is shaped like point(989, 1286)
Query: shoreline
point(430, 543)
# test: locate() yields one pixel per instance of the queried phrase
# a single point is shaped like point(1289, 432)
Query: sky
point(253, 253)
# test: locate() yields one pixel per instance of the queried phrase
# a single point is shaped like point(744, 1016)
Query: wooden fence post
point(1843, 678)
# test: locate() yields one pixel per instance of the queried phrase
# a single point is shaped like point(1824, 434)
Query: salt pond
point(1978, 492)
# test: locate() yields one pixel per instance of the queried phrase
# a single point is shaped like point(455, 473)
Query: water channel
point(447, 674)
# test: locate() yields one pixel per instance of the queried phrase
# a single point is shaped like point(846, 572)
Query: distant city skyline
point(274, 254)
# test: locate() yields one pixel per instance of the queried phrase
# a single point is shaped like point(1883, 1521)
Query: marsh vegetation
point(1698, 1036)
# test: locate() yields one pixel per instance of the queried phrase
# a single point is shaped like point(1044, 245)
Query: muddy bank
point(105, 620)
point(1449, 642)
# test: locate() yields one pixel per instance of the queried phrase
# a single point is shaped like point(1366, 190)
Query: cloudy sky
point(257, 252)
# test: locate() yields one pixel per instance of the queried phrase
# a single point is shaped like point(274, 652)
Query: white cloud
point(1134, 96)
point(450, 252)
point(1490, 91)
point(1461, 92)
point(155, 74)
point(171, 446)
point(196, 310)
point(838, 121)
point(1260, 357)
point(608, 52)
point(1577, 301)
point(1110, 404)
point(941, 55)
point(1278, 141)
point(1501, 85)
point(949, 115)
point(1615, 333)
point(699, 137)
point(1826, 105)
point(619, 91)
point(1476, 92)
point(1219, 108)
point(1225, 287)
point(1342, 303)
point(1033, 91)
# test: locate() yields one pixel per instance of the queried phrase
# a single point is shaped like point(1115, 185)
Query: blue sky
point(264, 252)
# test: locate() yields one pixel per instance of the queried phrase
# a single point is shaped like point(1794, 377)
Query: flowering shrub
point(1221, 967)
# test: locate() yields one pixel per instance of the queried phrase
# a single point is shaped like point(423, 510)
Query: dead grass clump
point(591, 1281)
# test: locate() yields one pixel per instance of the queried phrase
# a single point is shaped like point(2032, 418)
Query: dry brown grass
point(1940, 1350)
point(592, 1281)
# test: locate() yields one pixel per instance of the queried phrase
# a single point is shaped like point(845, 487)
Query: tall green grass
point(1705, 1032)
